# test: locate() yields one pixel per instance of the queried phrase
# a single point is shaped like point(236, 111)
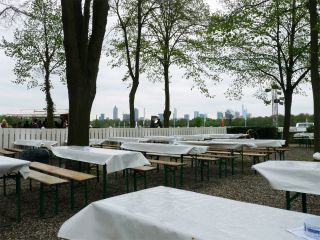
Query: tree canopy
point(38, 50)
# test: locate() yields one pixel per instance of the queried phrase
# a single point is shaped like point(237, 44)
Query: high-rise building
point(126, 117)
point(160, 116)
point(236, 114)
point(175, 113)
point(228, 114)
point(186, 117)
point(136, 114)
point(219, 115)
point(195, 114)
point(101, 117)
point(115, 113)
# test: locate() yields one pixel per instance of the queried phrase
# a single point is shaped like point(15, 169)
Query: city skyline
point(112, 91)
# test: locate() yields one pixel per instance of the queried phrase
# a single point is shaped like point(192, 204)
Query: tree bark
point(167, 112)
point(82, 61)
point(287, 115)
point(50, 107)
point(314, 63)
point(135, 78)
point(132, 95)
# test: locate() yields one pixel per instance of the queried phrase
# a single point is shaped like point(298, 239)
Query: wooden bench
point(158, 155)
point(255, 157)
point(48, 180)
point(7, 153)
point(141, 171)
point(107, 146)
point(170, 167)
point(224, 153)
point(16, 150)
point(72, 176)
point(225, 158)
point(203, 161)
point(281, 152)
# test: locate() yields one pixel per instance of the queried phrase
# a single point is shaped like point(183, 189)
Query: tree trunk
point(314, 63)
point(80, 104)
point(82, 61)
point(287, 115)
point(167, 112)
point(50, 107)
point(132, 94)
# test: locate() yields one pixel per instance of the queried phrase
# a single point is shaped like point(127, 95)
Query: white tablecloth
point(163, 213)
point(13, 165)
point(296, 176)
point(257, 142)
point(169, 139)
point(165, 148)
point(126, 139)
point(304, 135)
point(96, 141)
point(316, 156)
point(35, 143)
point(225, 136)
point(115, 160)
point(221, 144)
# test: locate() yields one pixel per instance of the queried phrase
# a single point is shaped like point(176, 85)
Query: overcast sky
point(112, 91)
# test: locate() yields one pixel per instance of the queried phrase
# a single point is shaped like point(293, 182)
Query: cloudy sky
point(112, 91)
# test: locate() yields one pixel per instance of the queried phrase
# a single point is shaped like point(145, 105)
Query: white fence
point(9, 135)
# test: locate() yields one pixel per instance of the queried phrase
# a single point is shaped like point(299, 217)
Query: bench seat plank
point(45, 178)
point(62, 172)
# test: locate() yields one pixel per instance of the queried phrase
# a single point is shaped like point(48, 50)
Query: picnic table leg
point(105, 192)
point(85, 193)
point(145, 180)
point(174, 177)
point(56, 202)
point(288, 204)
point(41, 206)
point(71, 195)
point(18, 197)
point(304, 202)
point(201, 169)
point(165, 175)
point(4, 186)
point(181, 175)
point(127, 180)
point(232, 162)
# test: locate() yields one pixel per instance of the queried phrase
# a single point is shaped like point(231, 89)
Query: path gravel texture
point(247, 187)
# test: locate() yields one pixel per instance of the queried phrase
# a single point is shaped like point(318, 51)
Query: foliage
point(38, 50)
point(261, 44)
point(38, 45)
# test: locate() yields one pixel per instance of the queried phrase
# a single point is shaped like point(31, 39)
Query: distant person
point(4, 123)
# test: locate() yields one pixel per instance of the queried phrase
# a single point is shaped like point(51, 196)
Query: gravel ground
point(247, 187)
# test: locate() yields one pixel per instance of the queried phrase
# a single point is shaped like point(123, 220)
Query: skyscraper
point(101, 117)
point(186, 117)
point(136, 114)
point(175, 113)
point(196, 114)
point(219, 115)
point(115, 113)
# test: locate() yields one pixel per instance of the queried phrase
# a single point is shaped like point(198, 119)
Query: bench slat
point(62, 172)
point(45, 178)
point(172, 164)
